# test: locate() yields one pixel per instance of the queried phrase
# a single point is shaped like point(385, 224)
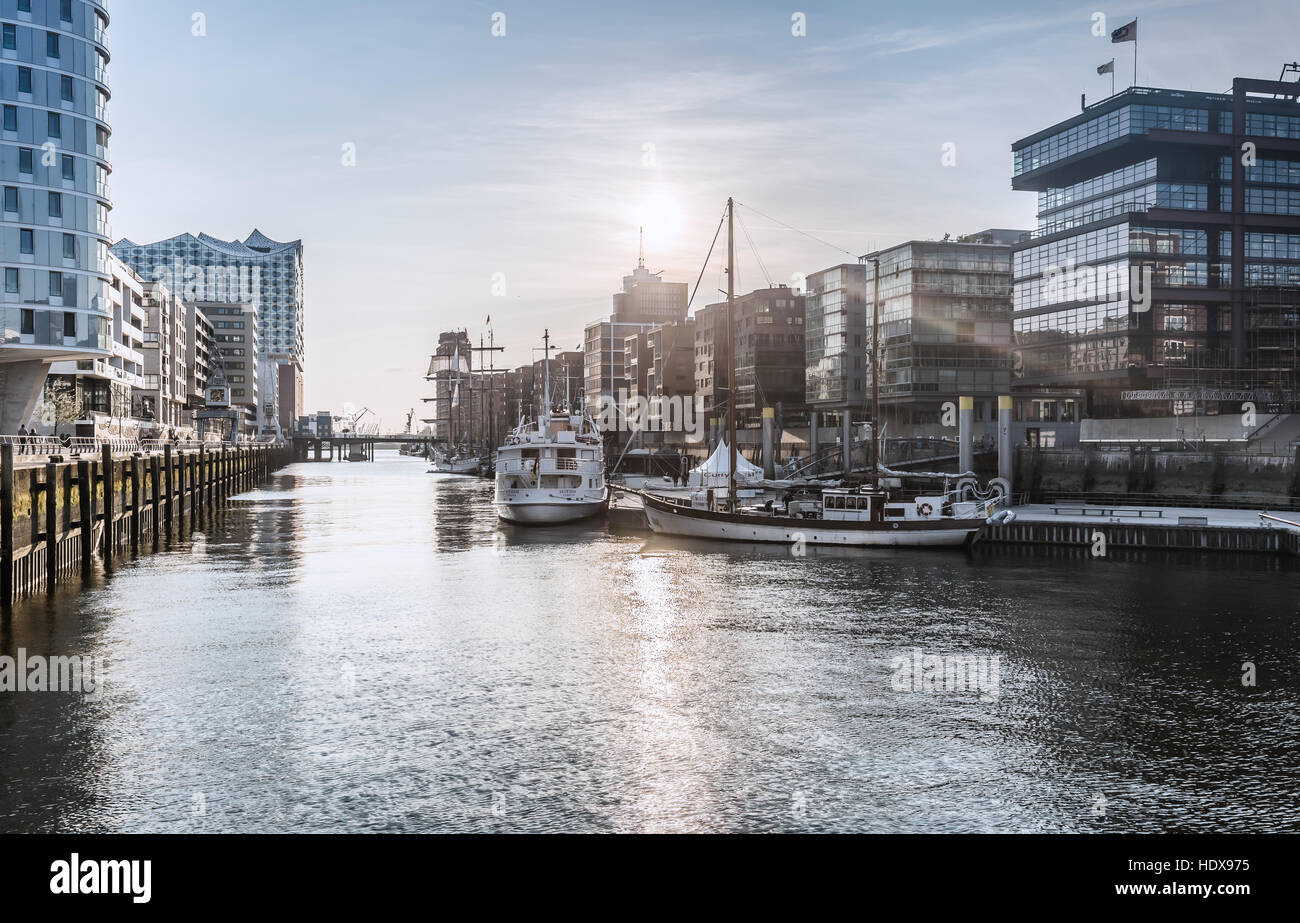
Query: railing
point(1128, 500)
point(34, 446)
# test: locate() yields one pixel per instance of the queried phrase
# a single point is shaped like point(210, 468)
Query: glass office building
point(54, 229)
point(835, 338)
point(945, 327)
point(1162, 278)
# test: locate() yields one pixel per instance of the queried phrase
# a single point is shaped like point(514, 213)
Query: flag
point(1127, 33)
point(1108, 68)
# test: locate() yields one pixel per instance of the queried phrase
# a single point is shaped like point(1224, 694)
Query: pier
point(60, 512)
point(307, 448)
point(1128, 527)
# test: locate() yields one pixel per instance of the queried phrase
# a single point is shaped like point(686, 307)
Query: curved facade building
point(265, 276)
point(54, 228)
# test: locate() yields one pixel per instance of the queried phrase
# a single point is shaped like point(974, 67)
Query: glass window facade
point(1131, 119)
point(56, 302)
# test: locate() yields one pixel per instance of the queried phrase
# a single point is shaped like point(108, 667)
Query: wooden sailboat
point(875, 514)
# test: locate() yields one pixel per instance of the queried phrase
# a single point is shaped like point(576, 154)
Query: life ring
point(925, 509)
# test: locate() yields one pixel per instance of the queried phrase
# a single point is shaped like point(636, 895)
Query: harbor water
point(363, 647)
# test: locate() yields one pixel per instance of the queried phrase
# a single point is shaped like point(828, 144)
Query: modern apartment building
point(710, 358)
point(93, 397)
point(1164, 275)
point(164, 399)
point(945, 327)
point(200, 352)
point(671, 365)
point(646, 301)
point(54, 230)
point(258, 271)
point(235, 350)
point(835, 338)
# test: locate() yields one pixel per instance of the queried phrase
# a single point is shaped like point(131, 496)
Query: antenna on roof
point(1292, 68)
point(640, 259)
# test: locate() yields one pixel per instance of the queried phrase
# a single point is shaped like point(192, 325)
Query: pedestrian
point(22, 439)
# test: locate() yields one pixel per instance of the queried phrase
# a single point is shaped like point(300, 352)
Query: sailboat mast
point(731, 349)
point(546, 374)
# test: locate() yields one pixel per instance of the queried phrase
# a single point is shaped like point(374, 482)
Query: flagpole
point(1135, 52)
point(1112, 76)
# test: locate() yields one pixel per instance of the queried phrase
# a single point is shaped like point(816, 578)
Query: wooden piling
point(167, 486)
point(6, 525)
point(51, 526)
point(154, 497)
point(86, 513)
point(110, 503)
point(200, 483)
point(134, 466)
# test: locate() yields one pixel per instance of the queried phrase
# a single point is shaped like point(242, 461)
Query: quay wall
point(1210, 478)
point(59, 517)
point(1144, 536)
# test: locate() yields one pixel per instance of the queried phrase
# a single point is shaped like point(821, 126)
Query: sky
point(531, 158)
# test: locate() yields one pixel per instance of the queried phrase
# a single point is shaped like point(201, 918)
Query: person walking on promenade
point(22, 439)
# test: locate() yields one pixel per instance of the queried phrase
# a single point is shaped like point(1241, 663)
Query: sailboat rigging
point(876, 513)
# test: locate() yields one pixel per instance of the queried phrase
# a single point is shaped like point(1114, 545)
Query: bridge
point(353, 446)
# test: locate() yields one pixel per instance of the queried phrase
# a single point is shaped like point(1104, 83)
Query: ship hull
point(667, 518)
point(544, 513)
point(466, 467)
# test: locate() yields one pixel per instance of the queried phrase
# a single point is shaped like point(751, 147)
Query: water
point(361, 647)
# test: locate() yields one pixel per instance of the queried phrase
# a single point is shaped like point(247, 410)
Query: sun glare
point(661, 218)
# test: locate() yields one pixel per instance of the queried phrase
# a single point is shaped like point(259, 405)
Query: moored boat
point(877, 513)
point(551, 470)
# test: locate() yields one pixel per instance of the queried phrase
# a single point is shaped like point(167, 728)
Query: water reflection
point(364, 647)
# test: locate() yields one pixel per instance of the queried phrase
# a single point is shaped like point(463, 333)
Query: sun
point(660, 217)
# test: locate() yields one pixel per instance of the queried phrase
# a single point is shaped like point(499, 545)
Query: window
point(65, 88)
point(11, 198)
point(11, 118)
point(56, 284)
point(25, 241)
point(54, 124)
point(69, 164)
point(56, 205)
point(11, 37)
point(51, 44)
point(65, 10)
point(24, 6)
point(11, 280)
point(69, 246)
point(25, 160)
point(69, 324)
point(24, 80)
point(29, 316)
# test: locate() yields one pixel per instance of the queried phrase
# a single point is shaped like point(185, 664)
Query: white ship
point(460, 463)
point(551, 470)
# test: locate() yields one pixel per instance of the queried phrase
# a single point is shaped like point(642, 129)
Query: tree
point(59, 404)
